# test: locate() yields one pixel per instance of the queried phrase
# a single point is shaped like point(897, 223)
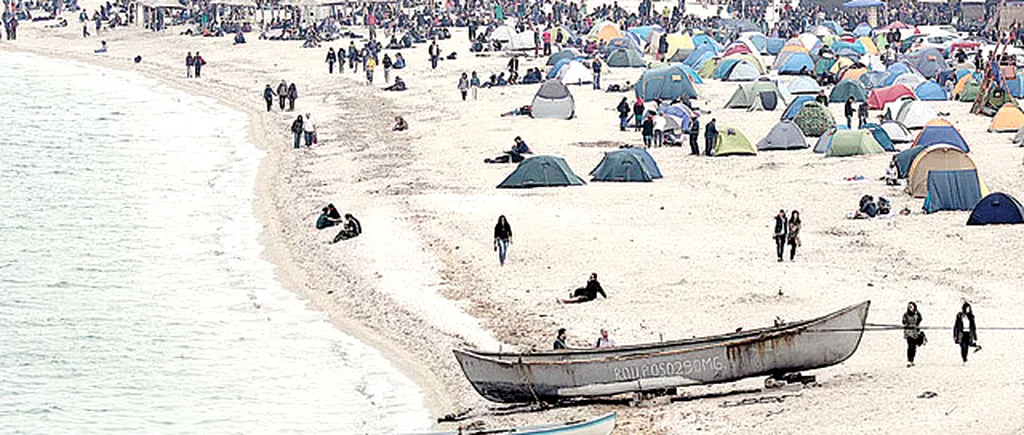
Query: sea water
point(133, 298)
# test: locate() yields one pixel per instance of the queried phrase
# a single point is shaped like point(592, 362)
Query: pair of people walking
point(965, 331)
point(787, 232)
point(303, 128)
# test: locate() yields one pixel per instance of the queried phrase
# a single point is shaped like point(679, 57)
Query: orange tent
point(1008, 119)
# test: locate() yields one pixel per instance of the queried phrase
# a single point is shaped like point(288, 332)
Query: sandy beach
point(687, 255)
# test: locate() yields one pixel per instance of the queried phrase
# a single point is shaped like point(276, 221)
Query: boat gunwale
point(728, 340)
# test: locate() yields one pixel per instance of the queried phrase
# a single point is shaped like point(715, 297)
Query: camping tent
point(541, 171)
point(731, 142)
point(803, 85)
point(881, 96)
point(795, 63)
point(826, 139)
point(847, 143)
point(568, 53)
point(666, 83)
point(623, 165)
point(846, 89)
point(928, 61)
point(952, 190)
point(553, 100)
point(604, 31)
point(997, 208)
point(941, 133)
point(574, 73)
point(814, 119)
point(930, 91)
point(742, 71)
point(873, 79)
point(1007, 120)
point(625, 58)
point(746, 94)
point(786, 135)
point(794, 106)
point(897, 132)
point(880, 136)
point(915, 114)
point(967, 89)
point(935, 158)
point(910, 79)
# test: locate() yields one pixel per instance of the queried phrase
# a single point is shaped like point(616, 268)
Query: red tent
point(897, 25)
point(880, 96)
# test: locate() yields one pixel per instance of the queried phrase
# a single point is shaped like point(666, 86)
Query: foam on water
point(133, 296)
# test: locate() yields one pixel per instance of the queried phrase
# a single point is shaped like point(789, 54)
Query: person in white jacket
point(309, 131)
point(659, 129)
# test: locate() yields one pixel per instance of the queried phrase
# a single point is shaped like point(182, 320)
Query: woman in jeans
point(297, 130)
point(502, 238)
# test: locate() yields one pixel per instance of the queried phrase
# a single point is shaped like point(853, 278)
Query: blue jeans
point(597, 81)
point(309, 138)
point(502, 250)
point(622, 123)
point(298, 139)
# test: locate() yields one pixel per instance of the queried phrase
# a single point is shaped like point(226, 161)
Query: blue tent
point(863, 29)
point(930, 91)
point(873, 79)
point(857, 47)
point(692, 75)
point(961, 72)
point(723, 68)
point(774, 45)
point(941, 134)
point(834, 26)
point(666, 83)
point(558, 66)
point(644, 31)
point(684, 116)
point(1016, 87)
point(699, 55)
point(703, 38)
point(927, 61)
point(880, 136)
point(997, 208)
point(795, 106)
point(624, 42)
point(905, 158)
point(759, 40)
point(898, 68)
point(795, 62)
point(952, 190)
point(700, 62)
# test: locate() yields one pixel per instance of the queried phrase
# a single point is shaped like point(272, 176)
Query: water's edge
point(287, 272)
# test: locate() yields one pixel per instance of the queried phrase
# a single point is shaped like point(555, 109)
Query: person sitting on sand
point(560, 340)
point(533, 75)
point(329, 217)
point(400, 124)
point(103, 47)
point(867, 209)
point(239, 38)
point(587, 293)
point(524, 110)
point(399, 61)
point(514, 155)
point(604, 341)
point(398, 86)
point(351, 229)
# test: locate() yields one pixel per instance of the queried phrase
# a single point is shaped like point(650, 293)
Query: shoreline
point(275, 246)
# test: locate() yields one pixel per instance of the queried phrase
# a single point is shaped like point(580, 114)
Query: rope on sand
point(876, 327)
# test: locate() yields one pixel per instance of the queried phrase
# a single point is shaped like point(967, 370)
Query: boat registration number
point(668, 368)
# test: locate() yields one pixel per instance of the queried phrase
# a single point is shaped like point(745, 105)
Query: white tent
point(910, 80)
point(915, 114)
point(553, 100)
point(510, 40)
point(575, 73)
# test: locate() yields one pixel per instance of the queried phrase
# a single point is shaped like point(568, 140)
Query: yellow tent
point(960, 85)
point(555, 31)
point(798, 47)
point(841, 63)
point(937, 158)
point(753, 60)
point(707, 70)
point(869, 45)
point(1008, 119)
point(679, 42)
point(605, 31)
point(853, 73)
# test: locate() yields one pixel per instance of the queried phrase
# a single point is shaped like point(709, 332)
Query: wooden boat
point(557, 375)
point(602, 425)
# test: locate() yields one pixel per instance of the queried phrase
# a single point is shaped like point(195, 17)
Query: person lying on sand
point(587, 293)
point(514, 155)
point(524, 110)
point(351, 229)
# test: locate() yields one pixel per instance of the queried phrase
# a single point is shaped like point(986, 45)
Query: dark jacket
point(293, 93)
point(638, 109)
point(297, 126)
point(623, 109)
point(911, 325)
point(848, 109)
point(710, 131)
point(968, 331)
point(647, 128)
point(694, 127)
point(331, 57)
point(282, 90)
point(781, 226)
point(502, 232)
point(268, 93)
point(593, 289)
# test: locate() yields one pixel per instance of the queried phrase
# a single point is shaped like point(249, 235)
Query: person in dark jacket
point(282, 94)
point(596, 66)
point(268, 96)
point(353, 56)
point(502, 238)
point(912, 332)
point(435, 54)
point(710, 136)
point(560, 340)
point(821, 98)
point(293, 94)
point(325, 220)
point(386, 62)
point(332, 58)
point(638, 114)
point(297, 130)
point(780, 232)
point(198, 62)
point(647, 131)
point(588, 292)
point(623, 109)
point(848, 112)
point(351, 229)
point(862, 115)
point(793, 233)
point(189, 64)
point(694, 134)
point(965, 332)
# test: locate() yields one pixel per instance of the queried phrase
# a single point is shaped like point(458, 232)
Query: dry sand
point(687, 255)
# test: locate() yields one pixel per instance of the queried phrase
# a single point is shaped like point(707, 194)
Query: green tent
point(732, 142)
point(853, 143)
point(823, 66)
point(814, 119)
point(746, 94)
point(970, 91)
point(623, 165)
point(997, 97)
point(848, 88)
point(541, 171)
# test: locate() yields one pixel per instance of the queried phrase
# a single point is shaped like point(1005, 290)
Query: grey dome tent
point(625, 58)
point(742, 72)
point(748, 94)
point(624, 165)
point(553, 100)
point(766, 100)
point(541, 171)
point(786, 135)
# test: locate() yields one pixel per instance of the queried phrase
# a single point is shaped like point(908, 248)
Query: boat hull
point(603, 425)
point(553, 376)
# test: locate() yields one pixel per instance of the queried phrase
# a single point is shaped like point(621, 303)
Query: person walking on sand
point(560, 340)
point(912, 332)
point(198, 61)
point(293, 94)
point(331, 59)
point(694, 135)
point(502, 238)
point(474, 83)
point(862, 115)
point(268, 96)
point(309, 130)
point(464, 86)
point(189, 64)
point(779, 234)
point(710, 137)
point(793, 233)
point(435, 54)
point(297, 130)
point(638, 114)
point(597, 74)
point(965, 332)
point(370, 65)
point(647, 131)
point(387, 64)
point(282, 94)
point(604, 341)
point(848, 111)
point(623, 109)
